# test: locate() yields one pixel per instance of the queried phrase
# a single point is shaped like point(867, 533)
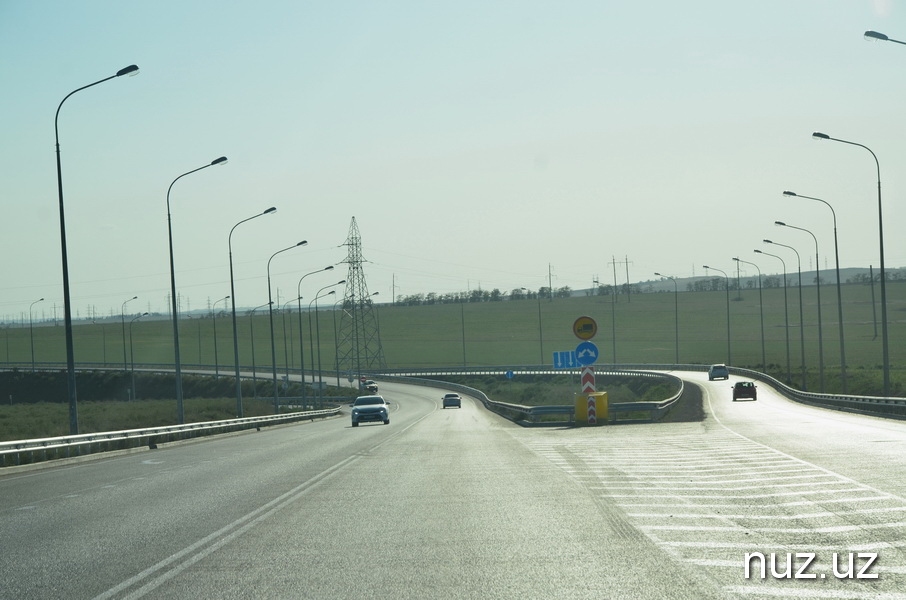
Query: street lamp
point(823, 136)
point(874, 35)
point(132, 353)
point(270, 314)
point(67, 308)
point(727, 278)
point(801, 317)
point(312, 334)
point(675, 313)
point(214, 320)
point(252, 334)
point(31, 333)
point(288, 350)
point(123, 321)
point(760, 306)
point(786, 315)
point(301, 342)
point(818, 285)
point(270, 210)
point(180, 414)
point(839, 292)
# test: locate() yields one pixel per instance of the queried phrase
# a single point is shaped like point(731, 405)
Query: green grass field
point(636, 329)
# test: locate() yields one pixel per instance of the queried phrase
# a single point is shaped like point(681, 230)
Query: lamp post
point(727, 278)
point(270, 210)
point(270, 314)
point(462, 320)
point(760, 307)
point(301, 342)
point(132, 353)
point(67, 304)
point(252, 334)
point(31, 333)
point(316, 328)
point(180, 413)
point(786, 315)
point(874, 35)
point(801, 317)
point(288, 349)
point(675, 313)
point(839, 292)
point(818, 286)
point(123, 321)
point(884, 340)
point(214, 321)
point(336, 338)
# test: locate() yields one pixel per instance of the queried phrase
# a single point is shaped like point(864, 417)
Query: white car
point(370, 408)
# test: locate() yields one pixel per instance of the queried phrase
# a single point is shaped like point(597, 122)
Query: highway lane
point(769, 476)
point(463, 504)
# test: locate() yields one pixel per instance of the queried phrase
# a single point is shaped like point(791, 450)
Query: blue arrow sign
point(565, 360)
point(586, 354)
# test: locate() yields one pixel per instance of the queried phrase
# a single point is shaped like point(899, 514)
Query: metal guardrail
point(68, 446)
point(533, 415)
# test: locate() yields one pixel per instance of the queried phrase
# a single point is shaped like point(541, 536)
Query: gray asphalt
point(459, 503)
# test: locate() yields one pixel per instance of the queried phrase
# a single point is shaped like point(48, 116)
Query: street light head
point(331, 292)
point(328, 268)
point(706, 266)
point(736, 259)
point(658, 274)
point(341, 281)
point(130, 70)
point(757, 251)
point(780, 223)
point(272, 209)
point(219, 161)
point(790, 194)
point(874, 35)
point(302, 243)
point(820, 136)
point(767, 241)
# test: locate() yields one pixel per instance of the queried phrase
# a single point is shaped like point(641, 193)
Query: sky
point(478, 144)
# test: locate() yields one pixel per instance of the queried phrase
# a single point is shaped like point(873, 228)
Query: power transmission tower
point(359, 337)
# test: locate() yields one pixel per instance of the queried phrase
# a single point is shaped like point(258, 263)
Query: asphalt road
point(459, 503)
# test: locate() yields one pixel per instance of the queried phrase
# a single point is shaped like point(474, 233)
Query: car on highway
point(370, 408)
point(745, 389)
point(370, 386)
point(718, 371)
point(451, 399)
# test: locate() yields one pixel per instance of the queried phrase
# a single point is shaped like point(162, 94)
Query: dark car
point(370, 408)
point(718, 372)
point(745, 389)
point(452, 400)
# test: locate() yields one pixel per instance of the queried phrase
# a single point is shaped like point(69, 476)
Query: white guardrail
point(67, 446)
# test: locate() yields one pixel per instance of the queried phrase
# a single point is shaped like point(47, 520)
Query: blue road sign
point(586, 354)
point(565, 360)
point(509, 374)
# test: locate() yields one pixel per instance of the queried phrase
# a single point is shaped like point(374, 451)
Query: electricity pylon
point(359, 338)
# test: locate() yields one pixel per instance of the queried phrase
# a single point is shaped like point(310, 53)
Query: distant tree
point(563, 292)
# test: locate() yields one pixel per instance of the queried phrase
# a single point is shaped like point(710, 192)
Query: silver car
point(370, 408)
point(718, 372)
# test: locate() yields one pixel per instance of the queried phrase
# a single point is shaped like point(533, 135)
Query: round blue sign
point(586, 354)
point(509, 374)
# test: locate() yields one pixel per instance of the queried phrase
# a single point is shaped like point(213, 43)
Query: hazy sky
point(477, 143)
